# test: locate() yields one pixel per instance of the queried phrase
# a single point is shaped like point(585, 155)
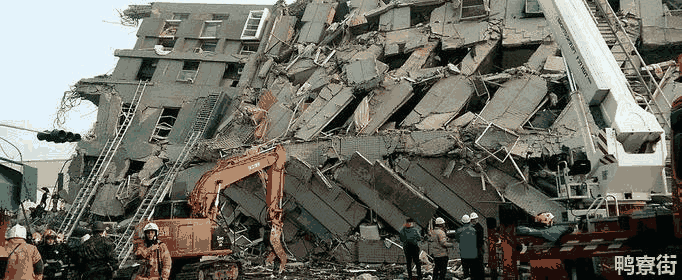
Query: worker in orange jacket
point(23, 259)
point(157, 259)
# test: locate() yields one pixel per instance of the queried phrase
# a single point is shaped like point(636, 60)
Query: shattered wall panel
point(395, 19)
point(515, 101)
point(448, 95)
point(405, 41)
point(329, 103)
point(376, 251)
point(314, 153)
point(357, 178)
point(479, 58)
point(385, 102)
point(278, 120)
point(403, 195)
point(371, 147)
point(281, 34)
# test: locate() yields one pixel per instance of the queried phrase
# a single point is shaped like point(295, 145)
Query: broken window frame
point(165, 123)
point(188, 74)
point(151, 63)
point(503, 148)
point(123, 114)
point(248, 48)
point(254, 25)
point(212, 34)
point(476, 17)
point(168, 43)
point(170, 28)
point(204, 48)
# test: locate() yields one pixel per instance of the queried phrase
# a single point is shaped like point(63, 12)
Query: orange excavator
point(189, 227)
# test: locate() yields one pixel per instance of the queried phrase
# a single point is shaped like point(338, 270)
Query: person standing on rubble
point(55, 256)
point(480, 244)
point(410, 237)
point(24, 261)
point(439, 249)
point(157, 259)
point(97, 255)
point(466, 237)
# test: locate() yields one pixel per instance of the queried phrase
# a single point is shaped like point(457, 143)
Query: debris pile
point(387, 110)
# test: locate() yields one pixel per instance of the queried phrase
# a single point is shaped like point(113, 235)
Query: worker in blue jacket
point(466, 237)
point(410, 237)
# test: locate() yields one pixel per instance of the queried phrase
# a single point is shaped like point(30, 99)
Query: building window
point(220, 16)
point(189, 71)
point(123, 114)
point(170, 28)
point(180, 16)
point(211, 29)
point(232, 73)
point(165, 124)
point(249, 48)
point(473, 9)
point(209, 45)
point(167, 43)
point(147, 69)
point(254, 25)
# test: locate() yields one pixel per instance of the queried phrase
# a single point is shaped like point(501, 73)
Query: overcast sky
point(49, 46)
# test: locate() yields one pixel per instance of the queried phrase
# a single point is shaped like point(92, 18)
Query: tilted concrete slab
point(278, 119)
point(362, 72)
point(357, 177)
point(331, 100)
point(479, 58)
point(520, 30)
point(281, 35)
point(539, 57)
point(525, 196)
point(372, 147)
point(385, 102)
point(358, 8)
point(458, 195)
point(405, 41)
point(395, 19)
point(403, 195)
point(301, 70)
point(417, 59)
point(316, 18)
point(448, 95)
point(515, 101)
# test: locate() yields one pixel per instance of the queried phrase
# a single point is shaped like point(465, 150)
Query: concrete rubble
point(387, 110)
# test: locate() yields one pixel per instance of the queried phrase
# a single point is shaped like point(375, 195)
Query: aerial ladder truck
point(620, 222)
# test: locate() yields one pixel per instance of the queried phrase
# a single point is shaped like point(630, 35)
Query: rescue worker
point(466, 237)
point(480, 244)
point(24, 261)
point(439, 249)
point(96, 256)
point(410, 237)
point(157, 260)
point(54, 254)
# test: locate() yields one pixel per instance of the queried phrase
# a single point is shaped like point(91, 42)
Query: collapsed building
point(386, 109)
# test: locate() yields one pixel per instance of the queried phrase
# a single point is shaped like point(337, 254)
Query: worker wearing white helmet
point(24, 260)
point(480, 244)
point(466, 237)
point(439, 244)
point(157, 259)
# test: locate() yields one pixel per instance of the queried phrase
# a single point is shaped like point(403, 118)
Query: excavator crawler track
point(211, 270)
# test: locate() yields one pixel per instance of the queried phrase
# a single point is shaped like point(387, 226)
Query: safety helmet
point(17, 231)
point(49, 234)
point(85, 237)
point(473, 215)
point(466, 219)
point(151, 226)
point(440, 221)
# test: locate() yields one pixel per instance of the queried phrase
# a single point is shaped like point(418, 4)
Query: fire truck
point(622, 220)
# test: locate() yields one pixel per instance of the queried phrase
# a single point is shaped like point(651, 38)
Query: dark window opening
point(231, 74)
point(181, 210)
point(167, 43)
point(189, 71)
point(170, 28)
point(209, 45)
point(211, 29)
point(220, 16)
point(147, 69)
point(165, 124)
point(180, 16)
point(134, 167)
point(249, 48)
point(125, 111)
point(162, 211)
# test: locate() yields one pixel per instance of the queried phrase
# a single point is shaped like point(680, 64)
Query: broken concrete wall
point(316, 18)
point(385, 102)
point(442, 102)
point(515, 101)
point(331, 100)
